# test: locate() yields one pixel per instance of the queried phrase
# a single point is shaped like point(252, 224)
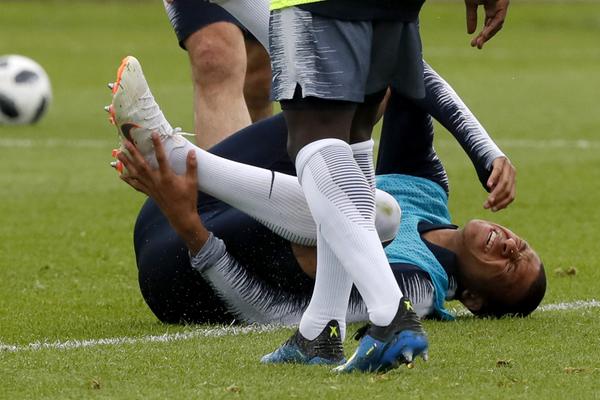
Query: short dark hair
point(498, 308)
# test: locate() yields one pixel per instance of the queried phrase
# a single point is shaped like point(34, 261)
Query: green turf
point(66, 264)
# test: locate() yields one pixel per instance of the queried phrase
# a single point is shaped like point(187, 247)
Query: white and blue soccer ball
point(25, 91)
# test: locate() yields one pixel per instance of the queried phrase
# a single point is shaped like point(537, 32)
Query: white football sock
point(330, 295)
point(387, 211)
point(363, 155)
point(343, 206)
point(273, 198)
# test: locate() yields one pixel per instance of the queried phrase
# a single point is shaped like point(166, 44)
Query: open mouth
point(491, 239)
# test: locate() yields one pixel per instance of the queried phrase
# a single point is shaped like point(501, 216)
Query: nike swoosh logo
point(126, 129)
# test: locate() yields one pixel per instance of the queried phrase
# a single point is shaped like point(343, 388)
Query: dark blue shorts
point(344, 60)
point(189, 16)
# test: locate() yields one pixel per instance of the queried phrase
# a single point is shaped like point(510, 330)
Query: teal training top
point(420, 200)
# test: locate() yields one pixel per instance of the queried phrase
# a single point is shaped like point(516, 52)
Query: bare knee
point(218, 58)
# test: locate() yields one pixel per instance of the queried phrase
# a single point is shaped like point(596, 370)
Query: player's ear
point(473, 301)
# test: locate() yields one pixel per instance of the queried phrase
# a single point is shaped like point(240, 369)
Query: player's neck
point(447, 238)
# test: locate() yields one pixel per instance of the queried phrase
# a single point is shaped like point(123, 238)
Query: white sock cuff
point(363, 147)
point(310, 149)
point(385, 313)
point(388, 215)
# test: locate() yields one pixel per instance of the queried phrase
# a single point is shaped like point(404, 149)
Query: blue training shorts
point(345, 60)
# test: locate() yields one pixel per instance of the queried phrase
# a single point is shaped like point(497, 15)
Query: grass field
point(67, 274)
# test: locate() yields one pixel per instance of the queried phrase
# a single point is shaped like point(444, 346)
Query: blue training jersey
point(421, 200)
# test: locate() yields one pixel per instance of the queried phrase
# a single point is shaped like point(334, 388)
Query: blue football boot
point(326, 348)
point(383, 348)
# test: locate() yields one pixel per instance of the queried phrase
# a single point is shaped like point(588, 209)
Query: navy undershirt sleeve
point(406, 142)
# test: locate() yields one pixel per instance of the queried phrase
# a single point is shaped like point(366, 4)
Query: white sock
point(343, 206)
point(387, 210)
point(273, 198)
point(330, 295)
point(363, 155)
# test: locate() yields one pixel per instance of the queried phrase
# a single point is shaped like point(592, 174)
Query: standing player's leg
point(319, 106)
point(360, 135)
point(257, 87)
point(217, 54)
point(218, 62)
point(395, 59)
point(320, 110)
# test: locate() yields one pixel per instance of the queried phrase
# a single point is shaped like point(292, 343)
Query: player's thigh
point(218, 55)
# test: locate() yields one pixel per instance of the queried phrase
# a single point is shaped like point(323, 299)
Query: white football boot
point(136, 114)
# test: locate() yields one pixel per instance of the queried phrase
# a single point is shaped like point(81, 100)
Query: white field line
point(56, 142)
point(571, 306)
point(583, 144)
point(164, 338)
point(575, 305)
point(220, 331)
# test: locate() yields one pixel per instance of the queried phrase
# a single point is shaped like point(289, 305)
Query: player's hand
point(175, 195)
point(495, 14)
point(502, 182)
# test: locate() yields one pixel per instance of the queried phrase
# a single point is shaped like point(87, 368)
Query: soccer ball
point(25, 91)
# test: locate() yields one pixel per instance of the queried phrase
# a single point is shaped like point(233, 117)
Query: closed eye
point(511, 265)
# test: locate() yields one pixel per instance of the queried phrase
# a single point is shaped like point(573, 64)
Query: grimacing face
point(496, 260)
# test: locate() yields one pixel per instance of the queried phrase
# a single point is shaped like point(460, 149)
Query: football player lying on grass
point(242, 250)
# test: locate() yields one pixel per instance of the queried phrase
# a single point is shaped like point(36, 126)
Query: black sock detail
point(272, 182)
